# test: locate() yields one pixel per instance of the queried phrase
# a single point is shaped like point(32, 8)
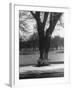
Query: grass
point(56, 56)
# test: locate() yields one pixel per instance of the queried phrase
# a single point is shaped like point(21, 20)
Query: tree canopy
point(28, 24)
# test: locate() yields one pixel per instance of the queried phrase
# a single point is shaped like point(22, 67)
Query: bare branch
point(32, 13)
point(45, 17)
point(36, 16)
point(53, 21)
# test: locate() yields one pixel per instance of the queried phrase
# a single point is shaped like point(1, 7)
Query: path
point(53, 70)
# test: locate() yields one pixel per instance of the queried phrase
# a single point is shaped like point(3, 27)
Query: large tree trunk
point(44, 44)
point(41, 40)
point(47, 47)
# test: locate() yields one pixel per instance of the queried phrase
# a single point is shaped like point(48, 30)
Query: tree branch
point(33, 14)
point(36, 16)
point(45, 17)
point(53, 21)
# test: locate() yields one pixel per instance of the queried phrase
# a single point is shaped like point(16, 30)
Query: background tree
point(56, 42)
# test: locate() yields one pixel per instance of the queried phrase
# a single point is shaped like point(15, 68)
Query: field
point(56, 56)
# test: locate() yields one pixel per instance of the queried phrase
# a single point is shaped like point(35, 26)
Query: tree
point(56, 42)
point(34, 38)
point(44, 32)
point(44, 38)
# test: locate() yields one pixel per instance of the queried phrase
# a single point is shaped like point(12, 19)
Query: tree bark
point(41, 40)
point(47, 47)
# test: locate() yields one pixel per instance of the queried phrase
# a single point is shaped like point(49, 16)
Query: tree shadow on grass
point(60, 52)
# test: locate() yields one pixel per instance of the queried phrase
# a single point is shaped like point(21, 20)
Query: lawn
point(56, 56)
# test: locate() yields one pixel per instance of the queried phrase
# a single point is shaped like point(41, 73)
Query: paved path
point(53, 70)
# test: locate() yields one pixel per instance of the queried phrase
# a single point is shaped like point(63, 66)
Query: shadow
point(7, 84)
point(41, 65)
point(60, 52)
point(36, 65)
point(60, 62)
point(28, 53)
point(41, 75)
